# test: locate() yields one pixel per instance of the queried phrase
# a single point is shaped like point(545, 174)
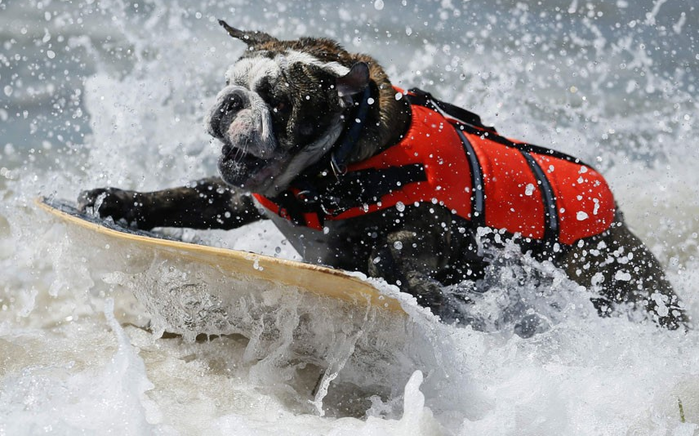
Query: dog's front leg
point(410, 260)
point(204, 204)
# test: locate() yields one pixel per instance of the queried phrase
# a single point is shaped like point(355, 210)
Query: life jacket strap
point(341, 152)
point(551, 228)
point(312, 201)
point(477, 181)
point(422, 98)
point(471, 123)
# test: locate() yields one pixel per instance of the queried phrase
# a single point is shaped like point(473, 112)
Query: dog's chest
point(352, 243)
point(345, 244)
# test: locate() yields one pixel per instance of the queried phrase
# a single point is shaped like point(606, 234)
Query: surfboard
point(288, 314)
point(319, 280)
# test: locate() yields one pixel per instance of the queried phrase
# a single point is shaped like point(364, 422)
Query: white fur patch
point(294, 56)
point(249, 72)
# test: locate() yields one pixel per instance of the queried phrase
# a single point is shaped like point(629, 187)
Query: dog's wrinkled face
point(281, 110)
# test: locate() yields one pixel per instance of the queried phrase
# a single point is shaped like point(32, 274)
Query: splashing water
point(114, 93)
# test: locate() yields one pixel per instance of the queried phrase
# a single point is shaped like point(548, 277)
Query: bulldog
point(363, 176)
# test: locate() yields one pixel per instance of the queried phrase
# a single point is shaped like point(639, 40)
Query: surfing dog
point(363, 176)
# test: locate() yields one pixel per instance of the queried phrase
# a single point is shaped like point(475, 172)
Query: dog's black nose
point(222, 116)
point(232, 104)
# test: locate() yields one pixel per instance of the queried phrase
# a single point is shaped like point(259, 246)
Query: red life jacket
point(485, 178)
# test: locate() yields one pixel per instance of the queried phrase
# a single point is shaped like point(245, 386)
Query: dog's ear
point(353, 82)
point(250, 37)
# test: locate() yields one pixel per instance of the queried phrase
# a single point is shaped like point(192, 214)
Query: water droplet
point(582, 216)
point(398, 245)
point(529, 189)
point(400, 206)
point(378, 5)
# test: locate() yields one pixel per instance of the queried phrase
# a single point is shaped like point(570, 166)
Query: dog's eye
point(279, 107)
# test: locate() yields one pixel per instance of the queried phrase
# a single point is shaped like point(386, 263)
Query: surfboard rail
point(320, 280)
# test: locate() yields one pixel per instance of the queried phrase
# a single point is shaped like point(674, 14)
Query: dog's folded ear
point(353, 82)
point(250, 37)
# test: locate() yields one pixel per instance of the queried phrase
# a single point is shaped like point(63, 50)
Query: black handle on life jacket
point(422, 98)
point(471, 123)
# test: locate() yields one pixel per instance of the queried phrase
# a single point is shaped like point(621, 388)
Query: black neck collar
point(333, 164)
point(342, 149)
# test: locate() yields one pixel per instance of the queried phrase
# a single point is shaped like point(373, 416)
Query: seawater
point(114, 93)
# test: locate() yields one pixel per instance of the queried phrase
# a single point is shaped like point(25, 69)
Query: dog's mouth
point(239, 164)
point(248, 171)
point(250, 161)
point(271, 169)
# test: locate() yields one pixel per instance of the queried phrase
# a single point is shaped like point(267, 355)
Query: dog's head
point(284, 106)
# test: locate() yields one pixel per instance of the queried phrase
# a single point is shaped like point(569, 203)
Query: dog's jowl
point(363, 176)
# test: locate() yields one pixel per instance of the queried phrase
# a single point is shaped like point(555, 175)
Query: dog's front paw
point(427, 291)
point(110, 202)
